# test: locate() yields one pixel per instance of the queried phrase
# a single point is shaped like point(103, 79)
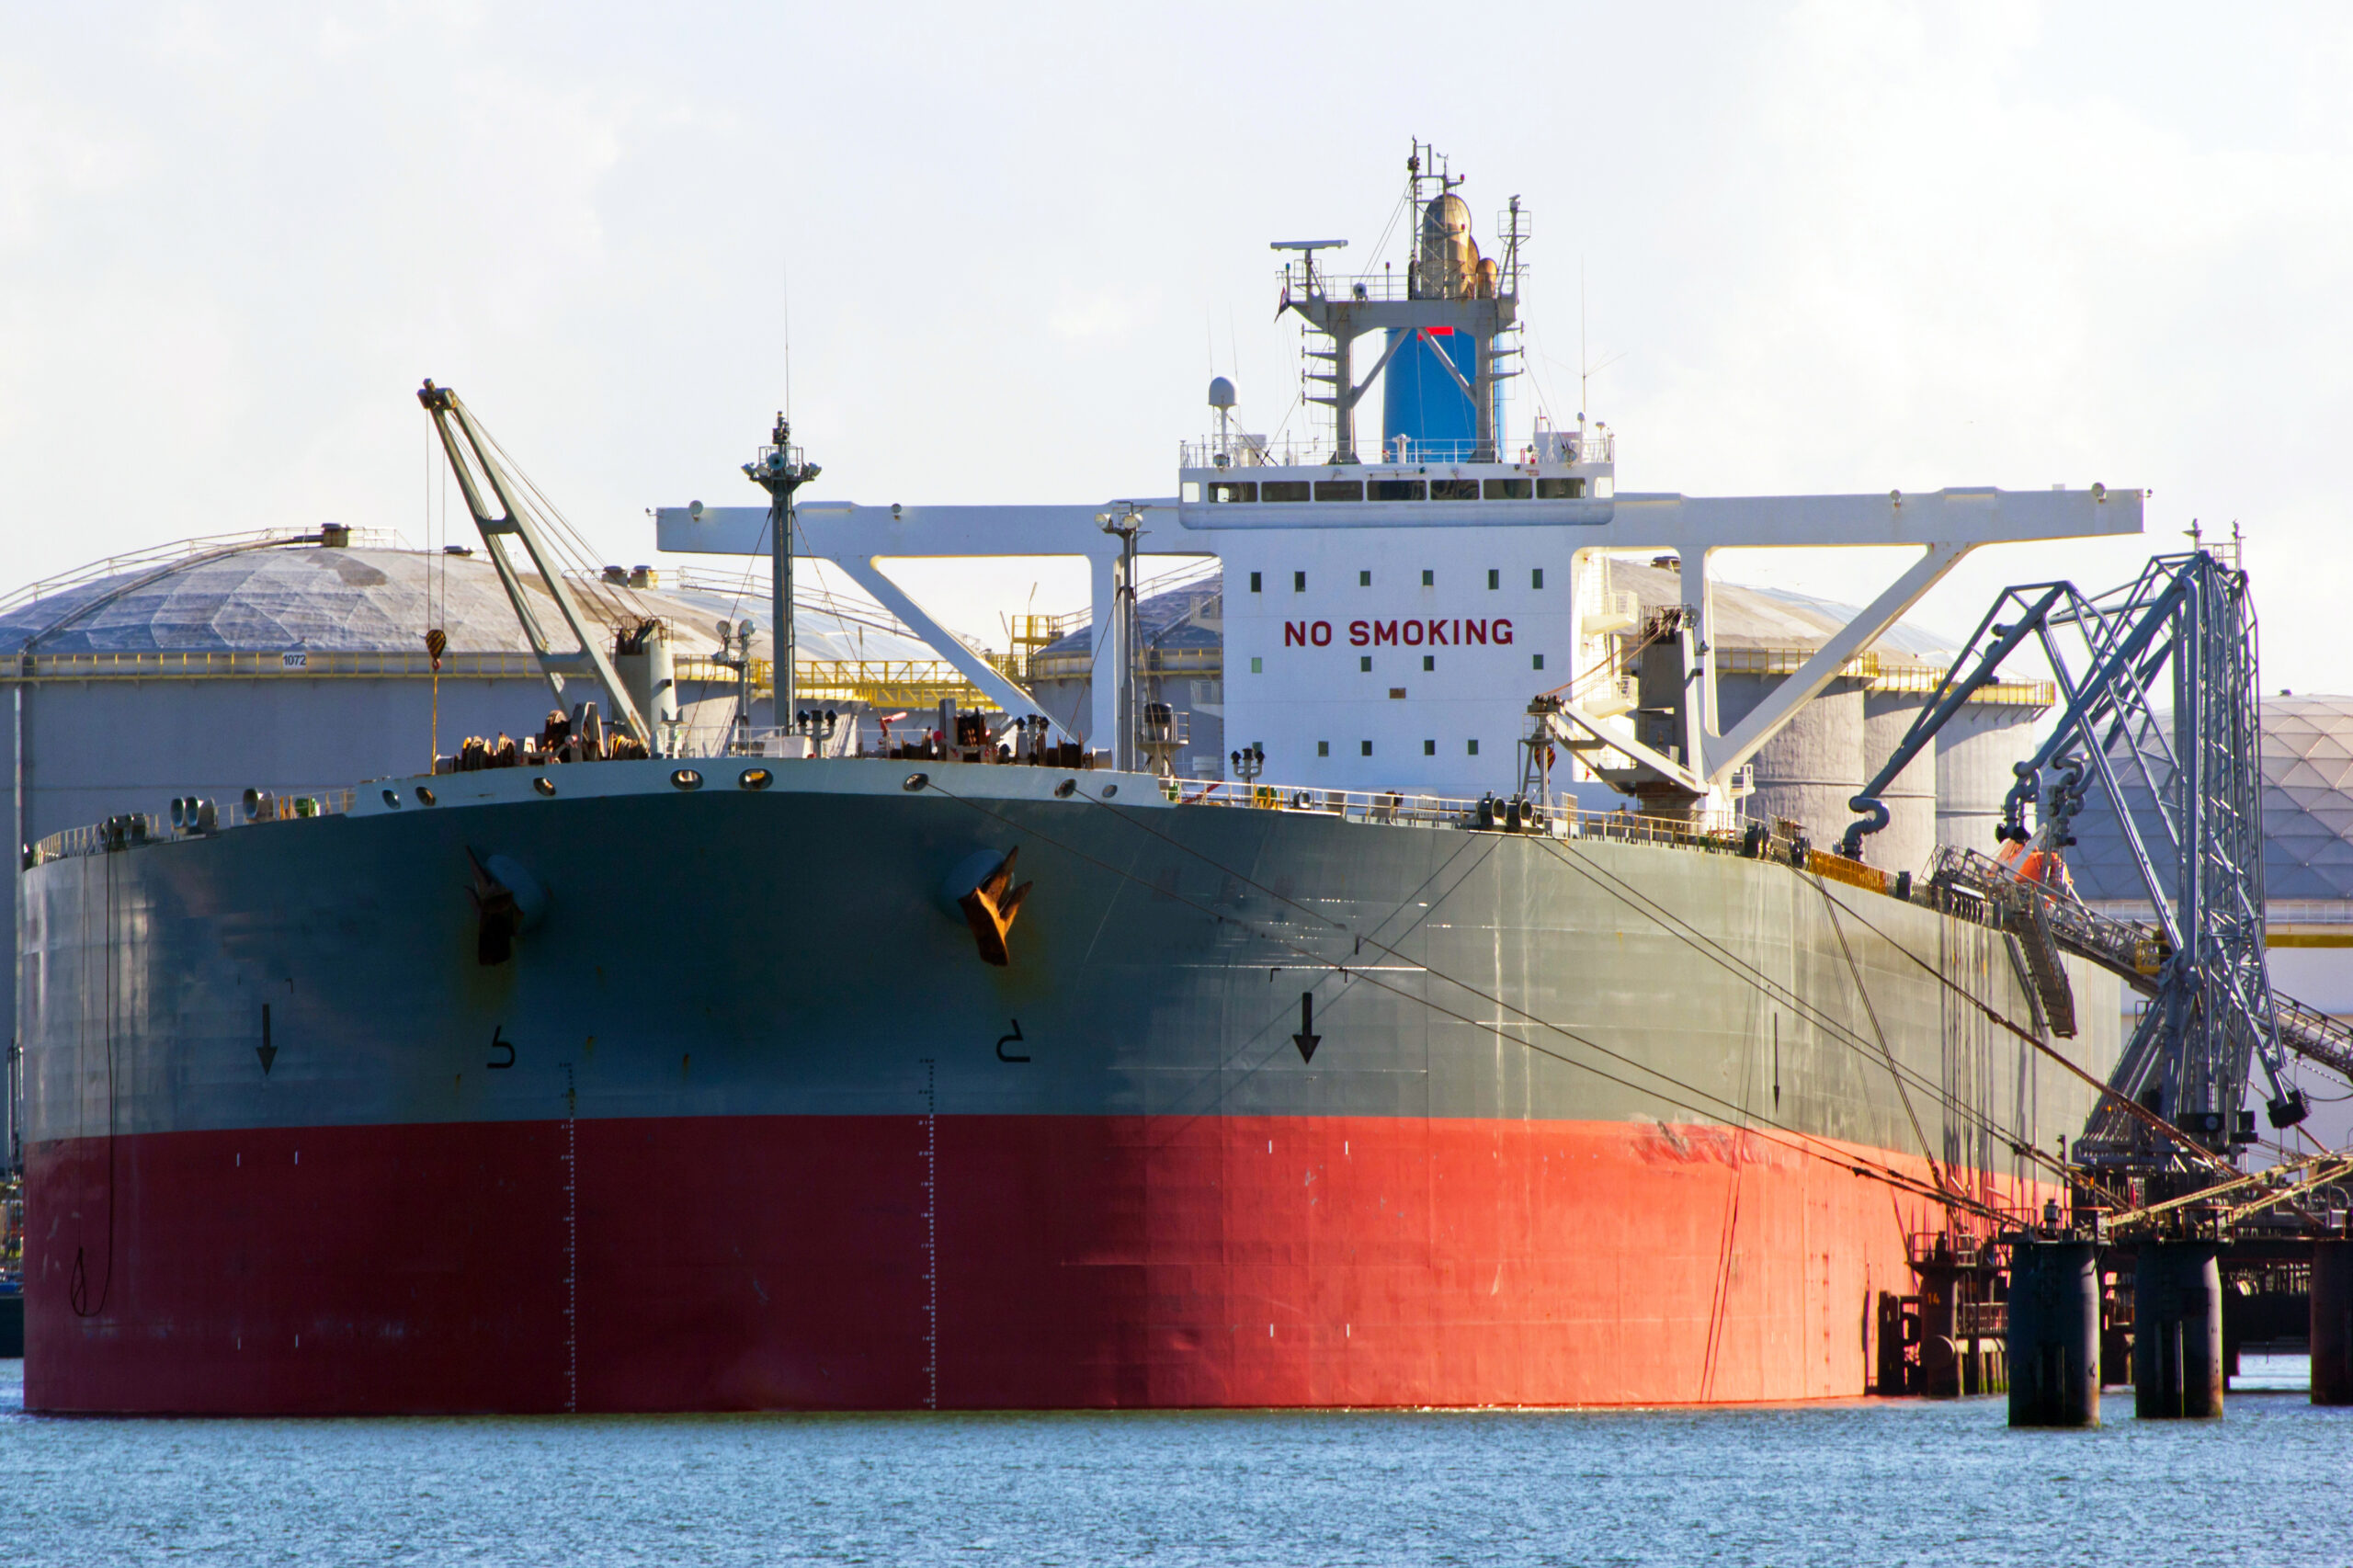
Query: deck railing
point(129, 828)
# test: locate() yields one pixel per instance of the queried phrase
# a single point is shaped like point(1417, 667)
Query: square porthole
point(1429, 748)
point(1364, 662)
point(1429, 661)
point(1364, 748)
point(1323, 748)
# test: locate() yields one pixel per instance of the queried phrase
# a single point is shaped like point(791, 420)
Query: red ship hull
point(866, 1263)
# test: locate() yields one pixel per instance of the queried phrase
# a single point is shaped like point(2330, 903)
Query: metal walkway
point(2130, 951)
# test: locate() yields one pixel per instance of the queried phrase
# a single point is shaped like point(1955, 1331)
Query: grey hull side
point(798, 951)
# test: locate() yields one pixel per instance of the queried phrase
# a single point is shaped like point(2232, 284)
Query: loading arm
point(2214, 1011)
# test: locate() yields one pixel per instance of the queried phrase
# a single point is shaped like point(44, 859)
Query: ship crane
point(496, 504)
point(2185, 781)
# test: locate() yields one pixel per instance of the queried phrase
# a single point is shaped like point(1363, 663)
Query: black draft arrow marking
point(499, 1042)
point(1003, 1041)
point(1307, 1039)
point(267, 1051)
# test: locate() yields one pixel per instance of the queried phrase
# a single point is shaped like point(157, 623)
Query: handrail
point(130, 828)
point(187, 552)
point(1236, 450)
point(1883, 672)
point(247, 665)
point(2133, 951)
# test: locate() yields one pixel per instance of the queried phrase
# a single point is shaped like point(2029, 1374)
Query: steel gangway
point(2046, 920)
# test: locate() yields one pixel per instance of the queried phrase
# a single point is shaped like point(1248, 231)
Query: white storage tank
point(1977, 754)
point(1909, 839)
point(1808, 771)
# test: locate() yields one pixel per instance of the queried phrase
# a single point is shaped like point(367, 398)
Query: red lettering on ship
point(1394, 633)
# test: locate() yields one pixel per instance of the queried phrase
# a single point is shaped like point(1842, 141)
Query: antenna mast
point(779, 470)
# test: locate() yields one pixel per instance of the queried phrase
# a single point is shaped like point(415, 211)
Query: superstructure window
point(1429, 661)
point(1560, 489)
point(1299, 582)
point(1257, 665)
point(1539, 661)
point(1429, 748)
point(1253, 582)
point(1364, 579)
point(1276, 491)
point(1495, 578)
point(1536, 578)
point(1364, 748)
point(1339, 490)
point(1454, 490)
point(1364, 662)
point(1230, 489)
point(1323, 748)
point(1475, 749)
point(1507, 490)
point(1429, 578)
point(1397, 490)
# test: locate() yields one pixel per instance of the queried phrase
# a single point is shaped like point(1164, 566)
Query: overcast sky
point(1826, 247)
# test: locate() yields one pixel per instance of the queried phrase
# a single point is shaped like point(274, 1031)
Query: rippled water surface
point(1900, 1482)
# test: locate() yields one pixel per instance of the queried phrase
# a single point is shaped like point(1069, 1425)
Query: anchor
point(990, 910)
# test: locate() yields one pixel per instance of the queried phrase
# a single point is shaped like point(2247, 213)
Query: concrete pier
point(2055, 1334)
point(2332, 1323)
point(2176, 1331)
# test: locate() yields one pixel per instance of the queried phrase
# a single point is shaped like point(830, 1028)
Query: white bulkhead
point(1396, 658)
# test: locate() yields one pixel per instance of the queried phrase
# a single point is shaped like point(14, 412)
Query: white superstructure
point(1388, 623)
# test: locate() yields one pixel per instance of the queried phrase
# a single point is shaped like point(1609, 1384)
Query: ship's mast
point(1448, 290)
point(779, 470)
point(1124, 522)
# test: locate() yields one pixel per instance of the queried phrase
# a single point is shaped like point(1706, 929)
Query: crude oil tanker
point(996, 1071)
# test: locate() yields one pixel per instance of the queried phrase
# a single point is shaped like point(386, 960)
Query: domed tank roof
point(318, 598)
point(2307, 811)
point(310, 598)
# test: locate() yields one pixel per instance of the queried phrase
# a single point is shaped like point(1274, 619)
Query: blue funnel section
point(1420, 402)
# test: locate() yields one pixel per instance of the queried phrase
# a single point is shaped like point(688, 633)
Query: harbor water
point(1909, 1482)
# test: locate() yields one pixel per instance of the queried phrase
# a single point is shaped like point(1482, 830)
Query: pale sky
point(1837, 246)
